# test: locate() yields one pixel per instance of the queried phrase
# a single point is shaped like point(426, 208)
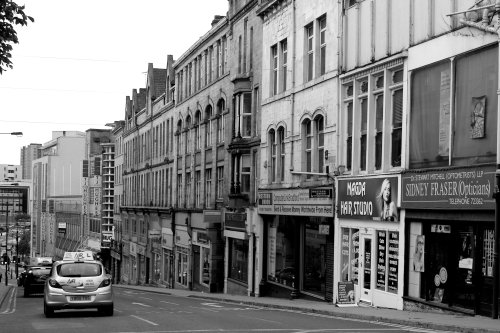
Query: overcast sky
point(74, 66)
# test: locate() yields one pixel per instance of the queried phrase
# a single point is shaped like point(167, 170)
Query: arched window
point(179, 137)
point(188, 134)
point(197, 130)
point(272, 156)
point(221, 105)
point(320, 142)
point(208, 126)
point(313, 141)
point(281, 153)
point(307, 141)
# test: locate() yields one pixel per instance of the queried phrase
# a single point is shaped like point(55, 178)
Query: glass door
point(366, 263)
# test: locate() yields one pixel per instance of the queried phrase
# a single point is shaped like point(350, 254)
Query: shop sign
point(393, 255)
point(346, 292)
point(300, 202)
point(458, 188)
point(133, 249)
point(235, 221)
point(61, 227)
point(167, 240)
point(141, 250)
point(369, 198)
point(154, 233)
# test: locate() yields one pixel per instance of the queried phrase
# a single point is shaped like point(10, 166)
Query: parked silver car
point(78, 282)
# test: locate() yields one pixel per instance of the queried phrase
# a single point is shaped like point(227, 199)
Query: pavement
point(426, 320)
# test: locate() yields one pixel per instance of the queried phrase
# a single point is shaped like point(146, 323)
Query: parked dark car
point(34, 280)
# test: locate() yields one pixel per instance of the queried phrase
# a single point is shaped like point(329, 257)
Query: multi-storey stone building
point(240, 215)
point(203, 92)
point(298, 148)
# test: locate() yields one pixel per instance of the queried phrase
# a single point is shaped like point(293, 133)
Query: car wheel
point(106, 310)
point(26, 291)
point(47, 310)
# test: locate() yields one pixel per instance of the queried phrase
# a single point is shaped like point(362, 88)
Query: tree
point(23, 248)
point(11, 14)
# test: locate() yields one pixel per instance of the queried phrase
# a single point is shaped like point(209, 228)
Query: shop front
point(167, 244)
point(450, 214)
point(368, 242)
point(182, 257)
point(237, 247)
point(298, 242)
point(134, 263)
point(154, 241)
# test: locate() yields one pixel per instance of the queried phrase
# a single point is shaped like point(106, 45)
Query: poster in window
point(355, 255)
point(419, 255)
point(393, 255)
point(381, 258)
point(444, 113)
point(478, 117)
point(345, 255)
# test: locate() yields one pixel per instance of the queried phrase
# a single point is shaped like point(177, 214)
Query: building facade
point(201, 164)
point(448, 191)
point(56, 179)
point(240, 215)
point(29, 153)
point(298, 147)
point(10, 172)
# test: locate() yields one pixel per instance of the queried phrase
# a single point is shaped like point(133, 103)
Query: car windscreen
point(79, 269)
point(40, 271)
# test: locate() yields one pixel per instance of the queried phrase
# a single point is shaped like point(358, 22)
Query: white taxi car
point(78, 282)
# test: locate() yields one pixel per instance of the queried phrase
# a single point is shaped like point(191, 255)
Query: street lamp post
point(14, 133)
point(6, 243)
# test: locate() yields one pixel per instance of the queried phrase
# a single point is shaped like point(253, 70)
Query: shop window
point(314, 257)
point(350, 255)
point(205, 266)
point(387, 261)
point(282, 247)
point(238, 259)
point(488, 250)
point(182, 266)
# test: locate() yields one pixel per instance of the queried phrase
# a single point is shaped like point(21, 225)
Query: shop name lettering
point(461, 188)
point(307, 209)
point(356, 207)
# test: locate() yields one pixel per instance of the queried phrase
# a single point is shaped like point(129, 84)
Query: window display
point(350, 255)
point(282, 244)
point(238, 259)
point(314, 257)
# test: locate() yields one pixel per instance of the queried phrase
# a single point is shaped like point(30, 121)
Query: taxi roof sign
point(78, 256)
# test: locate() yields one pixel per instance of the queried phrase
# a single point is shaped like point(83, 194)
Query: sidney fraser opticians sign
point(457, 188)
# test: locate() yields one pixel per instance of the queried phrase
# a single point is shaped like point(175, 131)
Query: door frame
point(366, 294)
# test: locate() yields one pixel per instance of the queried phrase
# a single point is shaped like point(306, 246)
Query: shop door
point(365, 265)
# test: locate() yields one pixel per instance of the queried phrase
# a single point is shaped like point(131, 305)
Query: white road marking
point(11, 304)
point(145, 320)
point(169, 303)
point(141, 304)
point(215, 305)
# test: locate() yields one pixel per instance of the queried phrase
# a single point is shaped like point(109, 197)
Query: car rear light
point(105, 283)
point(54, 284)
